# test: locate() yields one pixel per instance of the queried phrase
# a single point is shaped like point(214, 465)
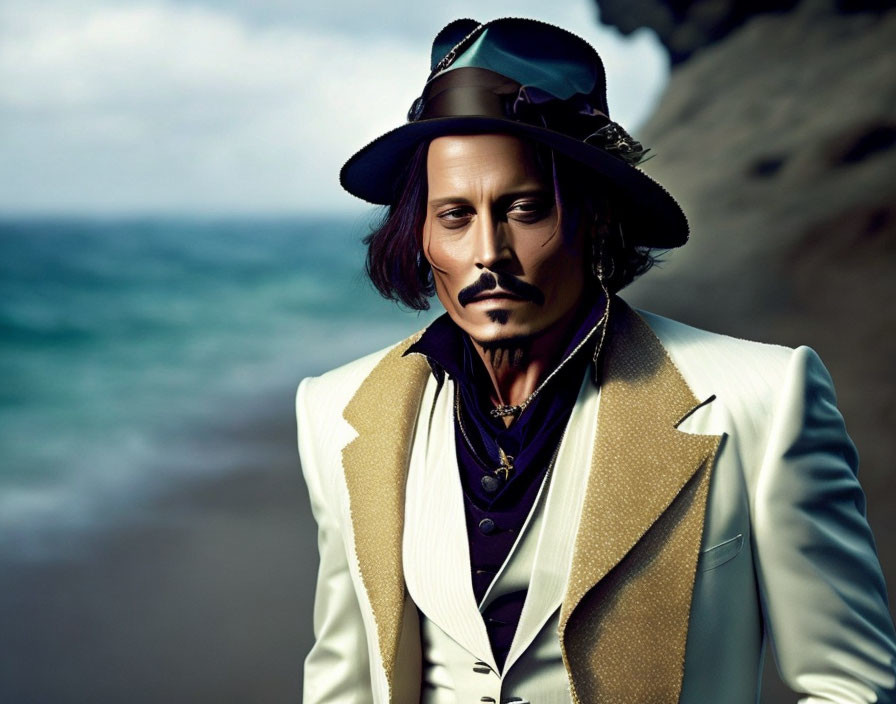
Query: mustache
point(511, 284)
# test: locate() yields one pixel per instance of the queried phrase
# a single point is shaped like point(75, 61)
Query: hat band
point(468, 91)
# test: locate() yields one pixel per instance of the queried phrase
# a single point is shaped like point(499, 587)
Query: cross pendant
point(506, 465)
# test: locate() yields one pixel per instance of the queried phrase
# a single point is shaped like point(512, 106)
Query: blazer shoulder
point(332, 390)
point(679, 336)
point(714, 363)
point(346, 377)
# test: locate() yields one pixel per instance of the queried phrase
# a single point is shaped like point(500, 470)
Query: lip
point(497, 296)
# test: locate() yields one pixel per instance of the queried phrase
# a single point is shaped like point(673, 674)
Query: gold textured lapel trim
point(624, 618)
point(383, 411)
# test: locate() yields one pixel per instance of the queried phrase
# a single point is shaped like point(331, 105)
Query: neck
point(517, 366)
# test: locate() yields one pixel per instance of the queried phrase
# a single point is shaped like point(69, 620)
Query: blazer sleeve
point(821, 585)
point(337, 668)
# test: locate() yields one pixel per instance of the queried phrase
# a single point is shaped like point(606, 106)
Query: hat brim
point(650, 216)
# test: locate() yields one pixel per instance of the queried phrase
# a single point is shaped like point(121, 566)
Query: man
point(546, 496)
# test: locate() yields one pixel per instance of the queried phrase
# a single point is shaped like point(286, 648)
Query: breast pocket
point(720, 554)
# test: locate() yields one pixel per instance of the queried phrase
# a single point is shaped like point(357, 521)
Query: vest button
point(487, 526)
point(491, 483)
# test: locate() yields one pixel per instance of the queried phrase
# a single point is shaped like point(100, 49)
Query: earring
point(598, 253)
point(599, 269)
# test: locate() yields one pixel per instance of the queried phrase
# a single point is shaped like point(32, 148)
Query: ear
point(448, 38)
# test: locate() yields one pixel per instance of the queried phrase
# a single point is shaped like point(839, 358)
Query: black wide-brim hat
point(535, 80)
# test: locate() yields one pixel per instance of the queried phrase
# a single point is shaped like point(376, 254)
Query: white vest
point(458, 665)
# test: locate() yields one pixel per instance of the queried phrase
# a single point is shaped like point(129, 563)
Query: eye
point(454, 218)
point(530, 210)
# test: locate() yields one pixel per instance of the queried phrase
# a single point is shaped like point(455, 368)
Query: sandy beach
point(205, 596)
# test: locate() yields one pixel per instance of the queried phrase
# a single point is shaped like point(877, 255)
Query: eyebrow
point(541, 191)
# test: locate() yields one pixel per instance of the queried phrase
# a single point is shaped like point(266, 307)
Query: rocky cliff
point(684, 26)
point(777, 133)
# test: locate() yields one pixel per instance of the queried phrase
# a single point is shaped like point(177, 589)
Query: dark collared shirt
point(495, 516)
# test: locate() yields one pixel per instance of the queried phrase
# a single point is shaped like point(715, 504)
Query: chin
point(500, 329)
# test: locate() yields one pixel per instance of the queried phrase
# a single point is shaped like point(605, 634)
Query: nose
point(492, 242)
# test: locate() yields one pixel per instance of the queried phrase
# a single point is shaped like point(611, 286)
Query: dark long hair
point(399, 271)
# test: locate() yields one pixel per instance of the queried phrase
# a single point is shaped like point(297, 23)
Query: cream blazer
point(721, 511)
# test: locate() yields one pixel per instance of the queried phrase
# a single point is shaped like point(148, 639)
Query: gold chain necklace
point(506, 467)
point(504, 410)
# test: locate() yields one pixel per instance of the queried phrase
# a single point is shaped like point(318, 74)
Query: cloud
point(159, 107)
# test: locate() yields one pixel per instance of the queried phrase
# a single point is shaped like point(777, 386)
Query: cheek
point(547, 255)
point(555, 264)
point(440, 263)
point(444, 254)
point(446, 288)
point(442, 289)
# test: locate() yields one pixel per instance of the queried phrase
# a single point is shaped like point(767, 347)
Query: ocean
point(125, 343)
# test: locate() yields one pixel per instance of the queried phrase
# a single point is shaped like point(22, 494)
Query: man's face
point(504, 267)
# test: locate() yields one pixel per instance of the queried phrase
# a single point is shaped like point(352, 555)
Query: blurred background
point(176, 254)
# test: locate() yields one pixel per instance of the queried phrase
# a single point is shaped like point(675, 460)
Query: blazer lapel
point(383, 411)
point(624, 617)
point(436, 548)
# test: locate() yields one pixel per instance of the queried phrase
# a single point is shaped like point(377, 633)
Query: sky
point(114, 107)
